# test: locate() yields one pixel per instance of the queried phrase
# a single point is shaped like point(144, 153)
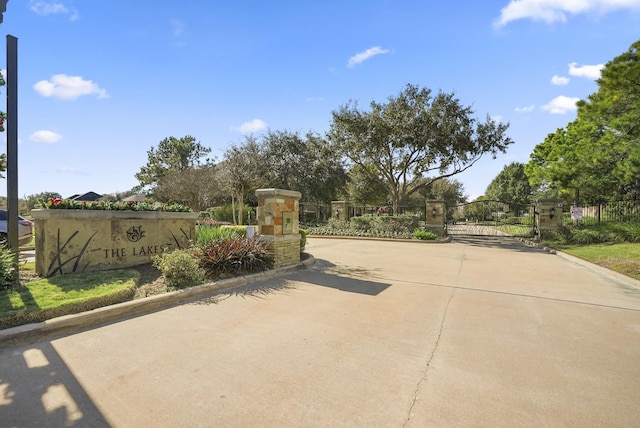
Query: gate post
point(436, 213)
point(278, 224)
point(340, 210)
point(549, 215)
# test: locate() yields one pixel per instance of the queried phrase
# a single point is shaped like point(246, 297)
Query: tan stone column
point(340, 210)
point(278, 224)
point(549, 215)
point(436, 213)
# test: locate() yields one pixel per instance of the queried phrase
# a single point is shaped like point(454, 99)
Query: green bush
point(361, 223)
point(425, 235)
point(225, 213)
point(180, 268)
point(595, 234)
point(8, 269)
point(334, 223)
point(239, 231)
point(206, 234)
point(303, 239)
point(229, 257)
point(395, 224)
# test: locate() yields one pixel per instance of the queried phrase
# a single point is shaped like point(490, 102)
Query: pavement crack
point(423, 379)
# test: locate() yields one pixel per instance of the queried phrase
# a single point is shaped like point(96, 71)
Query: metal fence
point(609, 212)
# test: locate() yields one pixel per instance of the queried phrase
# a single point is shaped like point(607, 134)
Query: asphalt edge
point(13, 336)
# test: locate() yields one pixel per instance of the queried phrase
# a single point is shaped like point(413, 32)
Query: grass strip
point(620, 257)
point(52, 297)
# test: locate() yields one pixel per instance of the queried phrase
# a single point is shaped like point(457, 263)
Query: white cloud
point(550, 11)
point(177, 27)
point(561, 105)
point(71, 170)
point(560, 80)
point(252, 126)
point(67, 87)
point(315, 99)
point(363, 56)
point(526, 109)
point(588, 71)
point(44, 8)
point(45, 137)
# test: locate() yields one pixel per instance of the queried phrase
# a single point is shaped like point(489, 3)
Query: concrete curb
point(31, 332)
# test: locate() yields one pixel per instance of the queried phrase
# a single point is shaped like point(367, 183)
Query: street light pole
point(3, 8)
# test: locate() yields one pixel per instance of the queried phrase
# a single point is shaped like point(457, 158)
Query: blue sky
point(101, 82)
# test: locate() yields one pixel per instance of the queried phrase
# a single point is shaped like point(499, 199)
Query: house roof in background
point(88, 197)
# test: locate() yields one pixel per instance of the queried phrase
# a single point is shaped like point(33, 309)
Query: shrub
point(361, 223)
point(303, 239)
point(212, 223)
point(180, 268)
point(395, 224)
point(239, 231)
point(334, 223)
point(425, 235)
point(206, 234)
point(70, 204)
point(8, 271)
point(225, 213)
point(229, 257)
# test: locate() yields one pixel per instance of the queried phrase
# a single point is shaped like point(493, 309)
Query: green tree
point(412, 136)
point(198, 188)
point(363, 189)
point(511, 186)
point(305, 164)
point(33, 200)
point(172, 155)
point(597, 156)
point(449, 190)
point(241, 172)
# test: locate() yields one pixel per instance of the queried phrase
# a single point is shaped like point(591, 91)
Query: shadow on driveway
point(503, 242)
point(37, 388)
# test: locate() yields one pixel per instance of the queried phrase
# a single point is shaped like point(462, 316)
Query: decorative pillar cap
point(279, 192)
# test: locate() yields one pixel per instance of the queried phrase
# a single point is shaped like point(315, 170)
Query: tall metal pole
point(12, 144)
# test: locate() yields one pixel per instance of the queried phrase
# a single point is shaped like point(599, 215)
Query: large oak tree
point(414, 135)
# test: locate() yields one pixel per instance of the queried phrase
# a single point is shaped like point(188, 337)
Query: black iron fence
point(609, 212)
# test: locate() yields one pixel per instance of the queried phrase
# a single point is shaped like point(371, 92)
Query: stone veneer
point(436, 212)
point(278, 224)
point(549, 216)
point(75, 241)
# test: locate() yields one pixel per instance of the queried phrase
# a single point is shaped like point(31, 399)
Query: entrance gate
point(491, 218)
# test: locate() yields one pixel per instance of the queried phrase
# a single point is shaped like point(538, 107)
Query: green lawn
point(62, 295)
point(623, 258)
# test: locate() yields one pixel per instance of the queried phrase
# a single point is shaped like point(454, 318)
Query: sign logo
point(135, 233)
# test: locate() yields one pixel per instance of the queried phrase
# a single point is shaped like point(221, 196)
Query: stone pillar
point(436, 213)
point(340, 210)
point(549, 215)
point(278, 224)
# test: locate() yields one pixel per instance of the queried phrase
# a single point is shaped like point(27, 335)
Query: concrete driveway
point(480, 332)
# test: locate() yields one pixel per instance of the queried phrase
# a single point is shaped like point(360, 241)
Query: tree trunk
point(240, 207)
point(233, 207)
